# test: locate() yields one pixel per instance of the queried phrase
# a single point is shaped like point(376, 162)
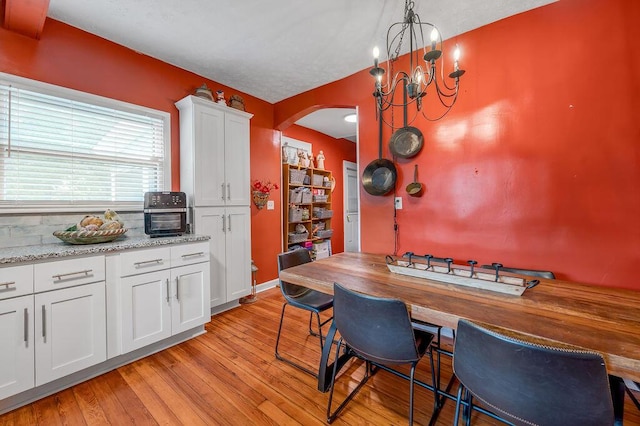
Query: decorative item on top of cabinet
point(307, 207)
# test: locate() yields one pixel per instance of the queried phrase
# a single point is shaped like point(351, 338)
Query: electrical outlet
point(271, 205)
point(398, 203)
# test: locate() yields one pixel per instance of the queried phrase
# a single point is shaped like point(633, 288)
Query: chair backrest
point(288, 260)
point(531, 272)
point(378, 329)
point(528, 383)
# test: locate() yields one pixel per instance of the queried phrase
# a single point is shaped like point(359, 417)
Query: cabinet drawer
point(147, 260)
point(68, 273)
point(16, 281)
point(188, 254)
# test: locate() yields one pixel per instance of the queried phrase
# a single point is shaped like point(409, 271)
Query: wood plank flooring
point(230, 376)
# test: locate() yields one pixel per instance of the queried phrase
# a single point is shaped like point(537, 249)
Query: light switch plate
point(271, 205)
point(398, 203)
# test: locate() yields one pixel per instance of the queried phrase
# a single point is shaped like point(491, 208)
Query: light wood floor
point(230, 376)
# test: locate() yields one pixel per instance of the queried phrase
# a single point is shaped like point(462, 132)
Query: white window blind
point(57, 150)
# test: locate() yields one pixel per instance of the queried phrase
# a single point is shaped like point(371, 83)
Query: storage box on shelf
point(307, 206)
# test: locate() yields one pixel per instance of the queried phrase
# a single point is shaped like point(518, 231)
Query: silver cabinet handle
point(146, 262)
point(222, 190)
point(229, 223)
point(85, 273)
point(200, 253)
point(44, 324)
point(6, 286)
point(178, 288)
point(229, 191)
point(168, 291)
point(223, 223)
point(26, 325)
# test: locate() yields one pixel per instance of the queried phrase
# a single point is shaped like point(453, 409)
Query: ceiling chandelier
point(426, 66)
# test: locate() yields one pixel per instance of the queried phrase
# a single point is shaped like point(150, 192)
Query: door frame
point(345, 165)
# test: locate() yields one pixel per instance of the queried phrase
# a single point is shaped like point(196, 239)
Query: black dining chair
point(378, 331)
point(526, 383)
point(302, 298)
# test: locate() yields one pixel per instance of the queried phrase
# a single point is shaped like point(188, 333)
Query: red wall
point(334, 150)
point(72, 58)
point(537, 165)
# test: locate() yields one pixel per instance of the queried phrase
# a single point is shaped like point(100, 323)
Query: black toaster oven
point(165, 213)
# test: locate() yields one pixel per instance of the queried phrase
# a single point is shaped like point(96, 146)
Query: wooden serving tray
point(486, 281)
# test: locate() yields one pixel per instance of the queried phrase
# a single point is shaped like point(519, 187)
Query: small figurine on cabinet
point(220, 97)
point(303, 159)
point(320, 159)
point(311, 163)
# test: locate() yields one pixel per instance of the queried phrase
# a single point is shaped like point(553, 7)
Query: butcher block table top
point(601, 319)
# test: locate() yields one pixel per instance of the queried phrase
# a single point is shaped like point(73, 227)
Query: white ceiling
point(270, 49)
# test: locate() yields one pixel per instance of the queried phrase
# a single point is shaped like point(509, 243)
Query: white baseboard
point(267, 285)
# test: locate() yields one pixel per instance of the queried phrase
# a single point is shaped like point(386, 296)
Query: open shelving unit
point(307, 204)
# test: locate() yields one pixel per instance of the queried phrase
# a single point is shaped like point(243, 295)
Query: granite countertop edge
point(17, 255)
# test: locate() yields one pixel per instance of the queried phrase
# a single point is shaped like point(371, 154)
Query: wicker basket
point(298, 238)
point(306, 197)
point(296, 176)
point(320, 198)
point(322, 213)
point(295, 215)
point(325, 234)
point(295, 196)
point(317, 180)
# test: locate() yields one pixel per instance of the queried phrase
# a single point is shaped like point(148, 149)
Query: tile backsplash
point(19, 230)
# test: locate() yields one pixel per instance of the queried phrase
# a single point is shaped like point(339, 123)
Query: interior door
point(351, 207)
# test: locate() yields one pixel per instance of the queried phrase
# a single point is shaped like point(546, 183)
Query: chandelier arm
point(452, 94)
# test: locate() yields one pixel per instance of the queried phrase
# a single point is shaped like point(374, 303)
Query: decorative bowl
point(89, 237)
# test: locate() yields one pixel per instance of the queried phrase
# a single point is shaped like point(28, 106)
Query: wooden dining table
point(557, 312)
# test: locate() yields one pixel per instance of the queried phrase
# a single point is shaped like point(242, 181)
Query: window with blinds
point(69, 148)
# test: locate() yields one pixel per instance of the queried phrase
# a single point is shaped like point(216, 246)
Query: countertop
point(16, 255)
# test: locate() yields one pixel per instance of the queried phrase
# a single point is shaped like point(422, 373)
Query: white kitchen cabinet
point(146, 309)
point(70, 330)
point(159, 304)
point(190, 305)
point(230, 250)
point(214, 153)
point(16, 354)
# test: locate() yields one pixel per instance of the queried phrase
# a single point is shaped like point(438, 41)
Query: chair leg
point(435, 379)
point(284, 305)
point(413, 371)
point(458, 402)
point(332, 416)
point(288, 361)
point(633, 398)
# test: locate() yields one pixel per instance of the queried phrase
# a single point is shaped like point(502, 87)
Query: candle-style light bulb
point(434, 38)
point(456, 57)
point(376, 55)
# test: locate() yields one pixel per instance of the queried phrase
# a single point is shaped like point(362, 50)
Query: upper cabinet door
point(214, 153)
point(210, 186)
point(236, 158)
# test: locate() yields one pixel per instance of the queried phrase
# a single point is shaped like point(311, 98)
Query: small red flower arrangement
point(264, 186)
point(261, 190)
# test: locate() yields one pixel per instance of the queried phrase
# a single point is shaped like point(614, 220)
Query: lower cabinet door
point(16, 351)
point(191, 297)
point(238, 252)
point(146, 309)
point(212, 221)
point(70, 330)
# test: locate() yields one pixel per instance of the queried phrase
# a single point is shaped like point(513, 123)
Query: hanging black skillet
point(379, 177)
point(406, 142)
